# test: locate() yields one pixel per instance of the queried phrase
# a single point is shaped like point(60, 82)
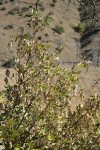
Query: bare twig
point(36, 5)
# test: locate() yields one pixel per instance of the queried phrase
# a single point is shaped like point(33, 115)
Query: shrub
point(12, 12)
point(52, 4)
point(39, 38)
point(18, 11)
point(46, 34)
point(1, 3)
point(37, 111)
point(61, 22)
point(58, 29)
point(3, 8)
point(41, 7)
point(80, 28)
point(54, 1)
point(9, 64)
point(9, 26)
point(6, 1)
point(51, 13)
point(24, 9)
point(59, 49)
point(30, 6)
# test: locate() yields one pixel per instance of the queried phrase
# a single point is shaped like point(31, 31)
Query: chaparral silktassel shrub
point(37, 111)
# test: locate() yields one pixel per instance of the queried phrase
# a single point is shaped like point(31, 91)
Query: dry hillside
point(13, 17)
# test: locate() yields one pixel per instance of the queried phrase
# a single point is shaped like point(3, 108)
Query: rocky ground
point(90, 45)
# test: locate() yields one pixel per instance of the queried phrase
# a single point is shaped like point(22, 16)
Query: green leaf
point(15, 133)
point(50, 137)
point(30, 65)
point(81, 26)
point(34, 13)
point(16, 148)
point(10, 122)
point(47, 19)
point(78, 72)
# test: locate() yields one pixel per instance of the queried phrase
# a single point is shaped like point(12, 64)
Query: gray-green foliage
point(37, 113)
point(58, 29)
point(81, 27)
